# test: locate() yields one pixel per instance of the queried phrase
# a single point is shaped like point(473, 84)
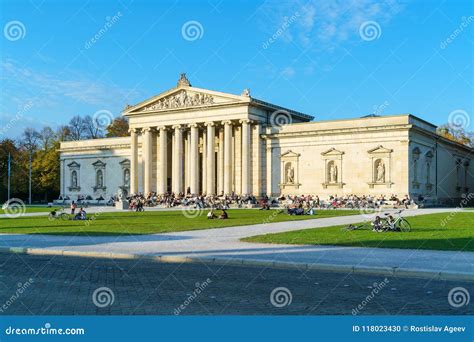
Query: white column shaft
point(194, 160)
point(134, 162)
point(227, 158)
point(245, 157)
point(211, 173)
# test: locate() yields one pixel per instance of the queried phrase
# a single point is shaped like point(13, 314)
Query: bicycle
point(398, 224)
point(59, 214)
point(362, 226)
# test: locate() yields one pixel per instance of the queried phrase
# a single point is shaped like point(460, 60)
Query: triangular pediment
point(380, 149)
point(290, 153)
point(98, 163)
point(184, 97)
point(332, 152)
point(74, 165)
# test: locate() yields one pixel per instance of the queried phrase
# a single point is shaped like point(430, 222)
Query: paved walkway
point(224, 244)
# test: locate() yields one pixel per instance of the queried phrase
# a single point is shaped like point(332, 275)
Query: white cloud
point(329, 23)
point(20, 82)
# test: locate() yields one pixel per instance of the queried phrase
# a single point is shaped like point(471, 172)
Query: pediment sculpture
point(181, 99)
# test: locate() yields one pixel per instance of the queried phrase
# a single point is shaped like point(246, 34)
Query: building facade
point(192, 140)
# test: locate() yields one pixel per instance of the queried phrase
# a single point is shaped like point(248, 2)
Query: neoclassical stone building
point(196, 140)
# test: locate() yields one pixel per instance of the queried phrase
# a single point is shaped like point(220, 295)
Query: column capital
point(162, 128)
point(211, 123)
point(148, 129)
point(227, 122)
point(247, 121)
point(134, 130)
point(193, 125)
point(177, 127)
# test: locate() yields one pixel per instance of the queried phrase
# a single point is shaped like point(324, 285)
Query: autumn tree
point(118, 128)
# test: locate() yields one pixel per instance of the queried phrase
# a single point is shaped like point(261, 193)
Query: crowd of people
point(295, 204)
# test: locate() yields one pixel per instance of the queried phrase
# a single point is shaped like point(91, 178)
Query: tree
point(30, 139)
point(46, 171)
point(76, 128)
point(47, 136)
point(118, 128)
point(92, 127)
point(457, 134)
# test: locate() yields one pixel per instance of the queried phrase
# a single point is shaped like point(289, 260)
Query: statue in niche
point(290, 174)
point(74, 179)
point(126, 177)
point(100, 179)
point(332, 173)
point(380, 172)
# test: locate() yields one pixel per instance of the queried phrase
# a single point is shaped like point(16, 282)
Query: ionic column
point(147, 159)
point(178, 157)
point(133, 160)
point(227, 157)
point(163, 168)
point(245, 156)
point(220, 162)
point(211, 173)
point(204, 161)
point(194, 159)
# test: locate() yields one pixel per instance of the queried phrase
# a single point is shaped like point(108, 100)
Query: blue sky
point(330, 59)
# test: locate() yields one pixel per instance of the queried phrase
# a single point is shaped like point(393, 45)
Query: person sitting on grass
point(311, 211)
point(377, 224)
point(223, 215)
point(211, 215)
point(81, 215)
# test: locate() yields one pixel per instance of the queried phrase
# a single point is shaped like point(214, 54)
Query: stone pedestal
point(121, 205)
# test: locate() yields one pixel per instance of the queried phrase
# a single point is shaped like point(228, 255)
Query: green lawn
point(31, 209)
point(427, 233)
point(149, 222)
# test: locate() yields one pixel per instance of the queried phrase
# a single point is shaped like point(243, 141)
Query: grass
point(149, 222)
point(30, 209)
point(453, 232)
